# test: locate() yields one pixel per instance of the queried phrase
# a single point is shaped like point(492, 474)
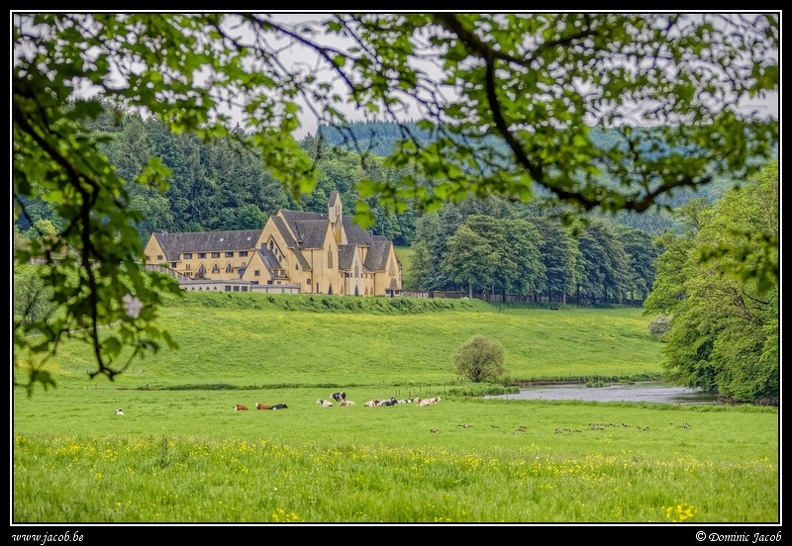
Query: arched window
point(229, 268)
point(201, 271)
point(215, 268)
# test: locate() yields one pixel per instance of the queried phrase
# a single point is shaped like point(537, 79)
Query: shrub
point(32, 298)
point(660, 326)
point(480, 360)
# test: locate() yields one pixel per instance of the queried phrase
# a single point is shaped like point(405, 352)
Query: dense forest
point(223, 185)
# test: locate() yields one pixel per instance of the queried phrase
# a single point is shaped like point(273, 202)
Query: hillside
point(254, 340)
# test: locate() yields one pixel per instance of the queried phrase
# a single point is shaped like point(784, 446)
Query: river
point(638, 392)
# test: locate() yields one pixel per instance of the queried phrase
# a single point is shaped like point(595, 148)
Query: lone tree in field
point(480, 360)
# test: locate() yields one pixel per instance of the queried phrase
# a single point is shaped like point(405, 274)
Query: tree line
point(223, 185)
point(483, 246)
point(492, 246)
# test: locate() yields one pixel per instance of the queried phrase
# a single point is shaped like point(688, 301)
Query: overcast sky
point(768, 106)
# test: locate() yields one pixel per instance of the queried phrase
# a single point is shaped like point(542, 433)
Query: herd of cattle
point(341, 400)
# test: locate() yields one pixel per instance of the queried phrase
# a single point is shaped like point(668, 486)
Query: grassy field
point(252, 342)
point(181, 454)
point(405, 256)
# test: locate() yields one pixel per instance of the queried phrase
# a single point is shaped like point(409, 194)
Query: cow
point(371, 404)
point(427, 401)
point(259, 405)
point(279, 406)
point(339, 396)
point(324, 403)
point(240, 407)
point(388, 402)
point(119, 411)
point(346, 403)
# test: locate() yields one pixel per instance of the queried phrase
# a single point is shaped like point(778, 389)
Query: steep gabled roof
point(346, 257)
point(355, 235)
point(311, 233)
point(377, 256)
point(309, 228)
point(270, 260)
point(280, 225)
point(174, 244)
point(283, 229)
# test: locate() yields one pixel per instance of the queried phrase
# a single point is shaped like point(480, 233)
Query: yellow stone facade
point(319, 253)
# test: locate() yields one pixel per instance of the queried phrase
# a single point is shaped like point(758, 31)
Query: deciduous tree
point(480, 359)
point(724, 334)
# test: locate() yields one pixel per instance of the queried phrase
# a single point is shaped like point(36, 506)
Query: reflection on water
point(638, 392)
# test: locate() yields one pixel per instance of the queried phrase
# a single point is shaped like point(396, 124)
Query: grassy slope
point(251, 340)
point(405, 255)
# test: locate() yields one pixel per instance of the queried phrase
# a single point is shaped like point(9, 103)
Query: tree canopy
point(724, 334)
point(509, 102)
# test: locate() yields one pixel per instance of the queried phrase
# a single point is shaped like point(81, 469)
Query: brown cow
point(263, 406)
point(240, 407)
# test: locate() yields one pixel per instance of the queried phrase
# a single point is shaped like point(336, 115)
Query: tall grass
point(200, 479)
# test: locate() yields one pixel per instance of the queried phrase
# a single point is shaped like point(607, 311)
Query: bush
point(32, 298)
point(480, 360)
point(660, 326)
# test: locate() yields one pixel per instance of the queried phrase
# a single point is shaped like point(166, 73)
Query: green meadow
point(181, 454)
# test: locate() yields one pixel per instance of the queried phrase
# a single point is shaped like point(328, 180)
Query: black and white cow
point(339, 396)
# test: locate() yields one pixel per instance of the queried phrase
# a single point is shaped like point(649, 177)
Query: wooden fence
point(542, 299)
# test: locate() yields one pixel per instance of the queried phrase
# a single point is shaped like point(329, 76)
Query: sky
point(768, 106)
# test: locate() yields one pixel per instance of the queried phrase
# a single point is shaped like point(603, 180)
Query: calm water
point(639, 392)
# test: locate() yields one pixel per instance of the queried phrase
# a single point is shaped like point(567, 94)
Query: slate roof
point(269, 259)
point(346, 255)
point(311, 233)
point(377, 257)
point(355, 235)
point(290, 242)
point(174, 244)
point(284, 231)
